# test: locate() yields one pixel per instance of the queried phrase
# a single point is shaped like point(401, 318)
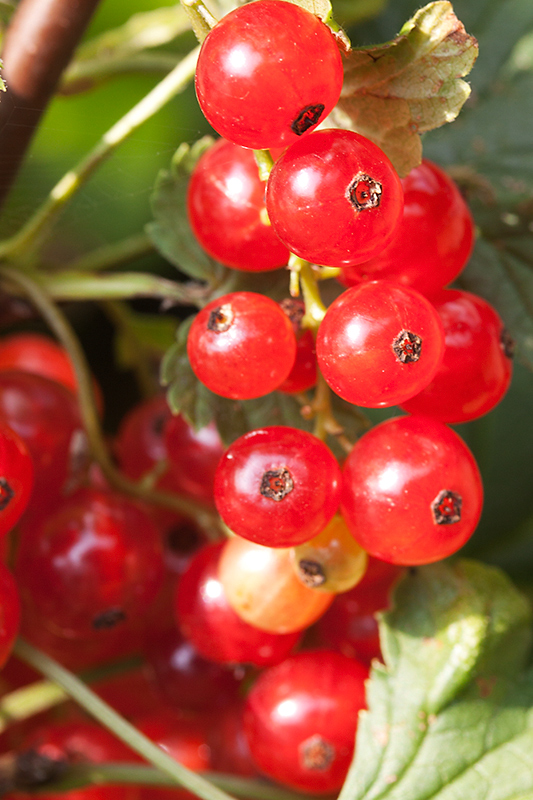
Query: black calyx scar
point(307, 117)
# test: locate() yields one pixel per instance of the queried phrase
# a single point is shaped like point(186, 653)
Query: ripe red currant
point(379, 344)
point(93, 564)
point(241, 345)
point(476, 369)
point(301, 718)
point(412, 491)
point(433, 241)
point(226, 208)
point(334, 198)
point(277, 486)
point(267, 73)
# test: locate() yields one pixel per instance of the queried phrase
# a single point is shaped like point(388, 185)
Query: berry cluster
point(310, 539)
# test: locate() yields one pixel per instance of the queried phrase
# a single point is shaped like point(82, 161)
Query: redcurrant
point(334, 198)
point(277, 486)
point(379, 344)
point(226, 208)
point(267, 73)
point(412, 491)
point(433, 241)
point(241, 345)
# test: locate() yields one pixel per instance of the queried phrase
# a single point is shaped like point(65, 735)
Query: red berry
point(277, 486)
point(46, 417)
point(433, 241)
point(193, 457)
point(412, 491)
point(182, 678)
point(334, 198)
point(226, 208)
point(208, 621)
point(349, 625)
point(379, 344)
point(16, 478)
point(476, 369)
point(301, 718)
point(267, 73)
point(241, 345)
point(94, 564)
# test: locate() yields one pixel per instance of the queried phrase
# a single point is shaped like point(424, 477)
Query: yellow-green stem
point(124, 730)
point(38, 226)
point(88, 410)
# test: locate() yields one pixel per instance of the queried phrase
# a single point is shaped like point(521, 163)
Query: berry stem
point(29, 700)
point(74, 285)
point(201, 19)
point(264, 163)
point(315, 309)
point(89, 414)
point(80, 775)
point(126, 732)
point(112, 255)
point(29, 237)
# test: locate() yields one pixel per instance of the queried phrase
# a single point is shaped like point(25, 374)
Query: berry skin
point(349, 625)
point(263, 589)
point(241, 345)
point(267, 73)
point(301, 718)
point(94, 564)
point(206, 618)
point(412, 491)
point(334, 198)
point(277, 486)
point(332, 561)
point(226, 208)
point(46, 417)
point(433, 241)
point(476, 369)
point(379, 344)
point(16, 478)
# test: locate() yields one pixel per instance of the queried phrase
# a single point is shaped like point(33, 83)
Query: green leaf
point(451, 708)
point(394, 92)
point(153, 333)
point(170, 231)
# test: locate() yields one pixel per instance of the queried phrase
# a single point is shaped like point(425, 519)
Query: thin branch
point(39, 225)
point(123, 729)
point(39, 44)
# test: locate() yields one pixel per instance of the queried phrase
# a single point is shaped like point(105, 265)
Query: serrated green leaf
point(392, 93)
point(170, 231)
point(451, 706)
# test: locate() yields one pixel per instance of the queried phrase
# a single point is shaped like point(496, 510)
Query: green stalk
point(112, 255)
point(70, 285)
point(80, 775)
point(23, 703)
point(124, 730)
point(89, 414)
point(40, 224)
